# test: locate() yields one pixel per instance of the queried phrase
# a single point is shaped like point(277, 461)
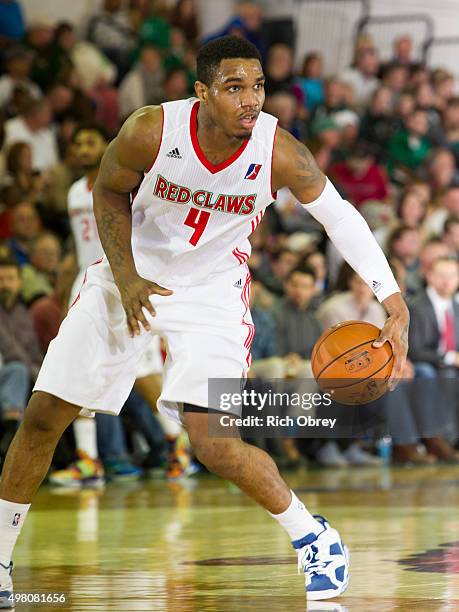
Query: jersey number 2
point(197, 219)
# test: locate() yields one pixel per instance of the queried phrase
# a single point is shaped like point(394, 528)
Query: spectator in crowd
point(450, 235)
point(34, 128)
point(359, 177)
point(409, 148)
point(405, 244)
point(403, 51)
point(29, 182)
point(378, 124)
point(18, 65)
point(25, 228)
point(298, 327)
point(395, 78)
point(433, 249)
point(39, 38)
point(279, 71)
point(434, 350)
point(311, 81)
point(325, 141)
point(335, 99)
point(318, 264)
point(175, 85)
point(19, 360)
point(110, 31)
point(348, 122)
point(18, 341)
point(411, 209)
point(39, 275)
point(362, 77)
point(449, 205)
point(282, 264)
point(283, 105)
point(144, 83)
point(441, 172)
point(444, 86)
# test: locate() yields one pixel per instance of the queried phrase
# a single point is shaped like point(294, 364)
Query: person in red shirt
point(359, 177)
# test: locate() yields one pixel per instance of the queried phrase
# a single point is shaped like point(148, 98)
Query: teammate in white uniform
point(204, 171)
point(90, 142)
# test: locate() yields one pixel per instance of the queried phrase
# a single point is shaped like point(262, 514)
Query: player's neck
point(214, 142)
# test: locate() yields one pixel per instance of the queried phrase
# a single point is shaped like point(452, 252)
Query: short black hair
point(91, 127)
point(225, 47)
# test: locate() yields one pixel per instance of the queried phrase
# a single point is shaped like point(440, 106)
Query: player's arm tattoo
point(113, 214)
point(112, 226)
point(307, 170)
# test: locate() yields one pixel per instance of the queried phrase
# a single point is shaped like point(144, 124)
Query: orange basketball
point(346, 365)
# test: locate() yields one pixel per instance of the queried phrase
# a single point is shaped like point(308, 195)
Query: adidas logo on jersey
point(174, 153)
point(238, 284)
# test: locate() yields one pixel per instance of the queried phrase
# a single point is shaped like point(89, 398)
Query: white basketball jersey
point(191, 219)
point(83, 224)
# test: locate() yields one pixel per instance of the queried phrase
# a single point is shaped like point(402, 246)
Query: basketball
point(346, 365)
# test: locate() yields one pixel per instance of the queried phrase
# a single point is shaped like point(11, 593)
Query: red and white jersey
point(191, 219)
point(83, 224)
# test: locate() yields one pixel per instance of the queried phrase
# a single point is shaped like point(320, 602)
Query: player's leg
point(321, 553)
point(179, 460)
point(26, 465)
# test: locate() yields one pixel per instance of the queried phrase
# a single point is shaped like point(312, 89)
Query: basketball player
point(89, 143)
point(179, 191)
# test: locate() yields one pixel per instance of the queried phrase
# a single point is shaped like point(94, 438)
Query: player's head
point(230, 84)
point(89, 142)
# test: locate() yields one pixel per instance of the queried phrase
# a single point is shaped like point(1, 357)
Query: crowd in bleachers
point(386, 133)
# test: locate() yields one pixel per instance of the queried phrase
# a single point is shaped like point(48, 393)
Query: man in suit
point(434, 350)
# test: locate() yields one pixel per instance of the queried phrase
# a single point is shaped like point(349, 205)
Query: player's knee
point(43, 415)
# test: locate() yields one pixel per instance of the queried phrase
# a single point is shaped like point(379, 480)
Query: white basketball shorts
point(93, 362)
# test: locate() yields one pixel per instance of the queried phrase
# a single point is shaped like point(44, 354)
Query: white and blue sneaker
point(324, 559)
point(6, 587)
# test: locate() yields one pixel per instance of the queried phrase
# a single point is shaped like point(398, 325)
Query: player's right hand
point(135, 295)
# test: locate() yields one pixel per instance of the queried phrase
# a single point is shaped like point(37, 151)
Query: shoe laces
point(309, 556)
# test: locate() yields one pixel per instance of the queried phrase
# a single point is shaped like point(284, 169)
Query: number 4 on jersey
point(197, 219)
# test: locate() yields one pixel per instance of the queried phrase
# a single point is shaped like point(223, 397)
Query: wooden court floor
point(201, 546)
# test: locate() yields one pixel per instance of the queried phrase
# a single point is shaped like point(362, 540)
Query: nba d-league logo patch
point(253, 171)
point(16, 519)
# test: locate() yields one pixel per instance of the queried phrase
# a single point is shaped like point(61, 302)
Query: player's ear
point(202, 91)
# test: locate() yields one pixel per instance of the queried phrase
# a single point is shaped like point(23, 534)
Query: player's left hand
point(395, 331)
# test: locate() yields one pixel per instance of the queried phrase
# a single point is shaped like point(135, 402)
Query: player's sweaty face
point(237, 95)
